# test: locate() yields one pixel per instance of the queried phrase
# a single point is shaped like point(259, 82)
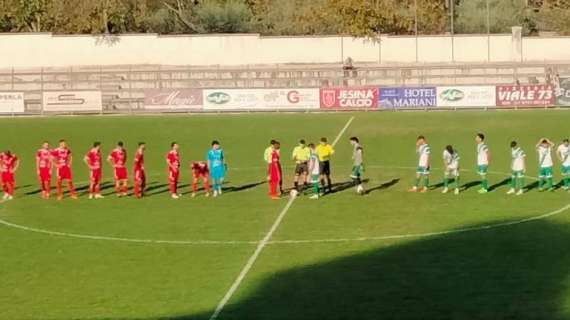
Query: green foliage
point(503, 15)
point(231, 16)
point(281, 17)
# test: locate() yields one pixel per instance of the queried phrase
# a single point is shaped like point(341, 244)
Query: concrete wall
point(35, 50)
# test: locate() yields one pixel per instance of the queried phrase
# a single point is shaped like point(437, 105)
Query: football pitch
point(388, 254)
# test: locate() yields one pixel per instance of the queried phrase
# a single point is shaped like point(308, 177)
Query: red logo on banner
point(525, 95)
point(349, 98)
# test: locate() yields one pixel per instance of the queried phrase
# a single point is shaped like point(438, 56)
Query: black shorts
point(325, 167)
point(302, 168)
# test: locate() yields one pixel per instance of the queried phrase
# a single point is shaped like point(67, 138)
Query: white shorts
point(452, 172)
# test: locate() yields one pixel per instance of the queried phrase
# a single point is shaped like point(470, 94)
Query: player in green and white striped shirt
point(518, 169)
point(423, 151)
point(545, 164)
point(451, 165)
point(483, 159)
point(563, 153)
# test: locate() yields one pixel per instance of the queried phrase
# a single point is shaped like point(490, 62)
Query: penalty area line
point(263, 243)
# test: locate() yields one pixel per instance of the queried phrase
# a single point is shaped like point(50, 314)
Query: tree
point(555, 16)
point(232, 16)
point(503, 15)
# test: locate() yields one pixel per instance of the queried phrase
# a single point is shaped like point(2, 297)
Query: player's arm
point(86, 160)
point(488, 152)
point(16, 165)
point(70, 160)
point(331, 150)
point(37, 164)
point(559, 154)
point(110, 160)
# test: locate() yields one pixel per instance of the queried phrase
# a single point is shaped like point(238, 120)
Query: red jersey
point(8, 163)
point(43, 156)
point(139, 161)
point(61, 157)
point(173, 159)
point(199, 168)
point(119, 157)
point(94, 159)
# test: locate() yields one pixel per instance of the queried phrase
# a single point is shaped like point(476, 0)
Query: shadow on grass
point(517, 272)
point(500, 184)
point(383, 186)
point(470, 185)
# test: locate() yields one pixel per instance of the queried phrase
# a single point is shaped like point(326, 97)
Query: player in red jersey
point(62, 160)
point(200, 171)
point(274, 170)
point(118, 159)
point(93, 161)
point(139, 175)
point(173, 163)
point(8, 165)
point(43, 168)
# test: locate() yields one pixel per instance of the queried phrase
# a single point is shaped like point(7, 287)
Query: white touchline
point(264, 242)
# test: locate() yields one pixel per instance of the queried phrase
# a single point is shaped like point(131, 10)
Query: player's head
point(354, 140)
point(302, 142)
point(450, 149)
point(120, 144)
point(480, 137)
point(62, 143)
point(566, 142)
point(215, 145)
point(97, 145)
point(514, 144)
point(420, 140)
point(45, 145)
point(277, 145)
point(323, 140)
point(544, 142)
point(174, 146)
point(7, 153)
point(141, 145)
point(311, 146)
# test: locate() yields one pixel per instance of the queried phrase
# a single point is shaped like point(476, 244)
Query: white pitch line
point(264, 243)
point(427, 234)
point(117, 239)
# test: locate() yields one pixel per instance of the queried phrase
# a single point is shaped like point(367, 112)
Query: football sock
point(550, 183)
point(445, 182)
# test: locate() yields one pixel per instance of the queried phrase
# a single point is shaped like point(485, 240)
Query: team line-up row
point(312, 163)
point(312, 166)
point(451, 158)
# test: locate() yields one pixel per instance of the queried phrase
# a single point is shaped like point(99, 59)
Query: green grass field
point(389, 254)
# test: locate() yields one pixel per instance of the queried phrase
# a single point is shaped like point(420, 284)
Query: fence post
point(42, 91)
point(129, 79)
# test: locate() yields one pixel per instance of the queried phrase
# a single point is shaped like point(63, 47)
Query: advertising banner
point(525, 95)
point(349, 98)
point(172, 99)
point(466, 96)
point(260, 99)
point(562, 92)
point(12, 102)
point(72, 101)
point(407, 97)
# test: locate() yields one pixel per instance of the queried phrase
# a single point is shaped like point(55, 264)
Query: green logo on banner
point(452, 95)
point(218, 98)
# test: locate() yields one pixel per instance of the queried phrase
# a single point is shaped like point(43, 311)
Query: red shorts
point(95, 176)
point(139, 175)
point(173, 175)
point(64, 173)
point(7, 177)
point(45, 174)
point(121, 173)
